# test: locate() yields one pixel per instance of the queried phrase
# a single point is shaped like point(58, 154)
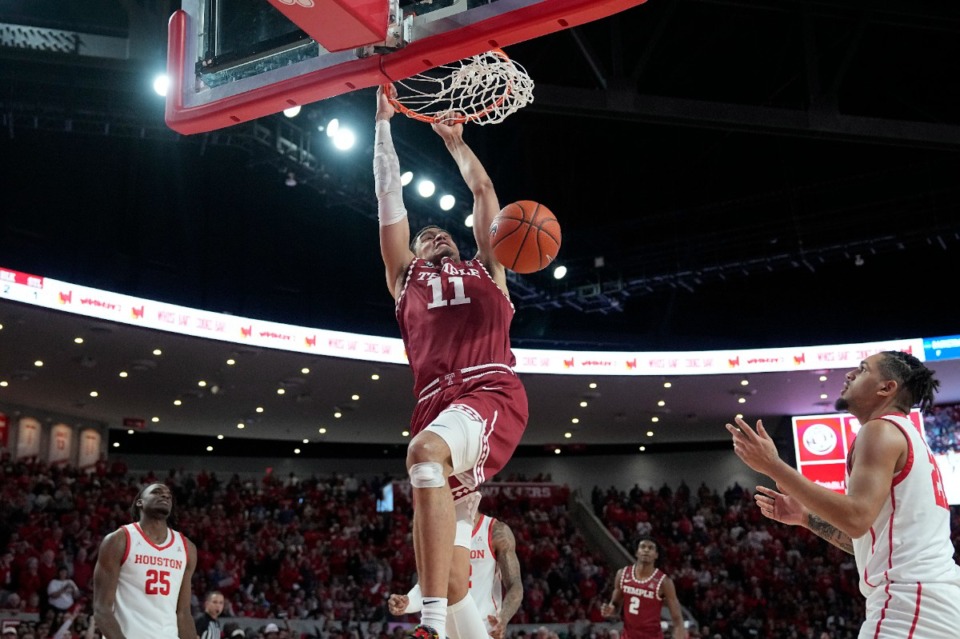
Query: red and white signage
point(821, 443)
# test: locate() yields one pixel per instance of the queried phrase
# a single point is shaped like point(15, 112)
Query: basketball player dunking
point(471, 411)
point(495, 583)
point(141, 583)
point(643, 589)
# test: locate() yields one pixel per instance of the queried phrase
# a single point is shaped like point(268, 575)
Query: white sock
point(434, 614)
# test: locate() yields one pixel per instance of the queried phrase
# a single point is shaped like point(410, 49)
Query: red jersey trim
point(186, 547)
point(909, 463)
point(493, 551)
point(479, 523)
point(126, 551)
point(171, 537)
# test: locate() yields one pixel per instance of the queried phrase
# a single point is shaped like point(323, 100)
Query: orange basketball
point(525, 236)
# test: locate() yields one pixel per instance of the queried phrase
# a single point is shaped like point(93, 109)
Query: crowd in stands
point(942, 429)
point(317, 549)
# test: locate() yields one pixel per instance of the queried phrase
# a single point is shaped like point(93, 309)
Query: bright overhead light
point(426, 188)
point(406, 178)
point(559, 272)
point(209, 449)
point(332, 127)
point(447, 202)
point(292, 112)
point(469, 221)
point(78, 340)
point(344, 139)
point(161, 84)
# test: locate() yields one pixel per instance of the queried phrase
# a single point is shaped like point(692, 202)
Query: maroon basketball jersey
point(641, 604)
point(452, 317)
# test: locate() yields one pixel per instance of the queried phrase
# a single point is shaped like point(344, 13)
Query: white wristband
point(386, 177)
point(415, 600)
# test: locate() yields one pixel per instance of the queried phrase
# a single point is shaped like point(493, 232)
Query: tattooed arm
point(830, 533)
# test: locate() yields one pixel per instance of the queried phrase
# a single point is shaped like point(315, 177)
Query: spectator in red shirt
point(83, 570)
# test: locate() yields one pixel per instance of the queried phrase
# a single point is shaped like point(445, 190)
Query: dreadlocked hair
point(917, 380)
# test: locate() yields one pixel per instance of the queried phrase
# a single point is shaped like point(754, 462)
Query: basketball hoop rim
point(442, 116)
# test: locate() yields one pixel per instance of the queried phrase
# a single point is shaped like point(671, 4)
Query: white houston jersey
point(485, 585)
point(149, 585)
point(909, 542)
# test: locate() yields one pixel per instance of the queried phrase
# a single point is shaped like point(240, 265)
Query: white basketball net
point(484, 89)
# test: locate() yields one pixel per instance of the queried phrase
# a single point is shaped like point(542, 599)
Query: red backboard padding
point(497, 31)
point(338, 24)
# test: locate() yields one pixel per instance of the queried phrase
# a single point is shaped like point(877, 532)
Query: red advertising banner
point(4, 430)
point(822, 443)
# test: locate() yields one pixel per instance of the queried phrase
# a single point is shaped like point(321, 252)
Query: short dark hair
point(413, 242)
point(919, 384)
point(644, 538)
point(135, 510)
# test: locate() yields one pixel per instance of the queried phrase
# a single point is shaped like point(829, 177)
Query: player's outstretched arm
point(485, 202)
point(391, 211)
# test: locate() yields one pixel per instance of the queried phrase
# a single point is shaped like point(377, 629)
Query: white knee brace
point(427, 475)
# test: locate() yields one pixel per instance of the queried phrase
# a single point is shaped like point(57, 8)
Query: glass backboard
point(231, 61)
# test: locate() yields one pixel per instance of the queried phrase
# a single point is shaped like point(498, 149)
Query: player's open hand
point(780, 507)
point(606, 610)
point(754, 447)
